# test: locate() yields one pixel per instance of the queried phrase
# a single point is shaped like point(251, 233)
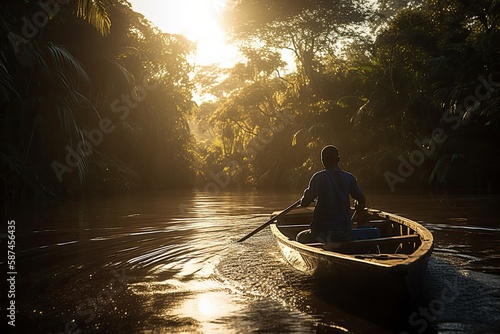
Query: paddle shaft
point(270, 221)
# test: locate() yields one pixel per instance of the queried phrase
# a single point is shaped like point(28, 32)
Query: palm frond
point(9, 161)
point(123, 71)
point(6, 82)
point(95, 12)
point(71, 76)
point(296, 137)
point(69, 126)
point(66, 63)
point(27, 52)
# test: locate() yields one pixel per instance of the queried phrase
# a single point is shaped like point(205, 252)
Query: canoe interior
point(388, 267)
point(395, 241)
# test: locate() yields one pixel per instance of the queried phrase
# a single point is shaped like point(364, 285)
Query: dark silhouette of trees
point(95, 99)
point(374, 97)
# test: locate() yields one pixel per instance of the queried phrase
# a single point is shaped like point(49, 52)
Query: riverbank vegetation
point(95, 99)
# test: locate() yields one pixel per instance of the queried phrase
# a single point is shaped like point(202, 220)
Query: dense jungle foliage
point(95, 99)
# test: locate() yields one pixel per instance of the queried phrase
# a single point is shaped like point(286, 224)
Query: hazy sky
point(198, 20)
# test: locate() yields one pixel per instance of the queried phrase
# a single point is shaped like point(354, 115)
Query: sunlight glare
point(198, 20)
point(208, 308)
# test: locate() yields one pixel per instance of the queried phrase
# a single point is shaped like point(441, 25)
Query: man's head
point(330, 156)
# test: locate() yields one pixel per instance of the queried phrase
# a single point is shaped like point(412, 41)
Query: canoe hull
point(356, 265)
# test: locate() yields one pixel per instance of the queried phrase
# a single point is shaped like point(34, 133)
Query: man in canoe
point(331, 188)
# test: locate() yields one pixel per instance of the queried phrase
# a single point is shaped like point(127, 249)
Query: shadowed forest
point(94, 99)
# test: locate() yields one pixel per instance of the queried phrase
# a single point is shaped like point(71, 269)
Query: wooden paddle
point(270, 221)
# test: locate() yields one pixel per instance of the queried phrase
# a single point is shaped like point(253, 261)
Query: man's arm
point(310, 193)
point(357, 194)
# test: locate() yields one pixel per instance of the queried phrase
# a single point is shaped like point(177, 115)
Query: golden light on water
point(207, 307)
point(205, 302)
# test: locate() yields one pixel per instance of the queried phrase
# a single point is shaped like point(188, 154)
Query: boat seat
point(382, 256)
point(378, 222)
point(372, 242)
point(302, 226)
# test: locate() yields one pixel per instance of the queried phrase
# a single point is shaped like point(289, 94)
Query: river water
point(167, 262)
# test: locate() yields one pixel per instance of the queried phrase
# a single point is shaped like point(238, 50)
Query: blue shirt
point(331, 188)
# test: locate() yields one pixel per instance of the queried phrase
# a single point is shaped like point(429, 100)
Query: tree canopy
point(96, 99)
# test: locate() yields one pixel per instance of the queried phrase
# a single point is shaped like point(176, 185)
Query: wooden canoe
point(398, 256)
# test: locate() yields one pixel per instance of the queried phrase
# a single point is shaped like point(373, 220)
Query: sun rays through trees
point(97, 99)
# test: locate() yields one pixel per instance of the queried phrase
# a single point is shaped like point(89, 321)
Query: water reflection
point(185, 273)
point(210, 309)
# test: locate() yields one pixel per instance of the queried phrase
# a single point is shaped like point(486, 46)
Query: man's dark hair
point(330, 156)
